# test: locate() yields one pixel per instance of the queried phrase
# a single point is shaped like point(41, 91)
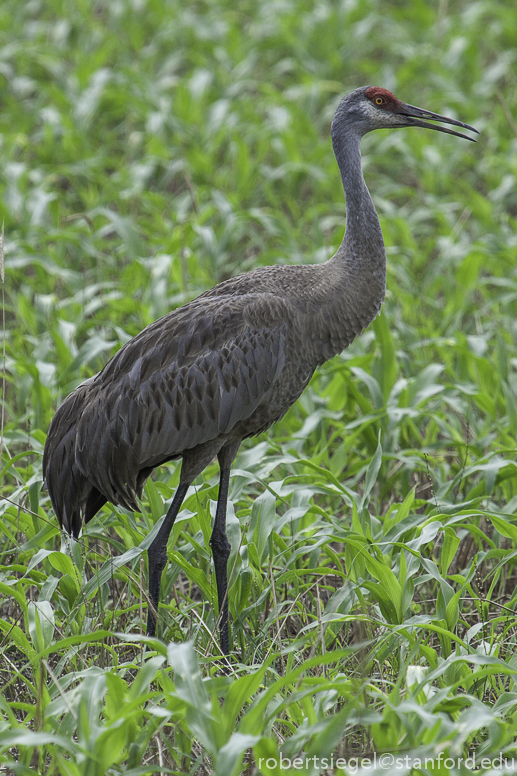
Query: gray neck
point(363, 235)
point(357, 272)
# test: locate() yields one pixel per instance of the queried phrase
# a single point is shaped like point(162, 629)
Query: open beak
point(416, 114)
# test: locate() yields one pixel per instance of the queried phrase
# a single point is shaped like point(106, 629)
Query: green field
point(148, 150)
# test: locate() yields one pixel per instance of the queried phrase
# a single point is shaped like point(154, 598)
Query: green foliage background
point(148, 150)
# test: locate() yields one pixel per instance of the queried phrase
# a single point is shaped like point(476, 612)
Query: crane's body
point(225, 366)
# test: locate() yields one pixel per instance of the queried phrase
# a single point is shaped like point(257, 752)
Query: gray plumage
point(227, 365)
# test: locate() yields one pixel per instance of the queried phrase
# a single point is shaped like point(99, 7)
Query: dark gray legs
point(157, 554)
point(221, 552)
point(192, 465)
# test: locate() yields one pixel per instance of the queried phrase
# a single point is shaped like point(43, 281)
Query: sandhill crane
point(225, 366)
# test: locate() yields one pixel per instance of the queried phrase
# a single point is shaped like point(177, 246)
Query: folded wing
point(182, 382)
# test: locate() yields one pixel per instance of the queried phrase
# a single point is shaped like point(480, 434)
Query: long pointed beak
point(416, 114)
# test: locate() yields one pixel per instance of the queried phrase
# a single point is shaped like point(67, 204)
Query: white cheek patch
point(372, 112)
point(391, 118)
point(382, 117)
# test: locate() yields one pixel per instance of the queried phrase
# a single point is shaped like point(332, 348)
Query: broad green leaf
point(41, 624)
point(450, 544)
point(229, 757)
point(504, 526)
point(387, 366)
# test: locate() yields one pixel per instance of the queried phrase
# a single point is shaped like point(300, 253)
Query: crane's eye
point(379, 100)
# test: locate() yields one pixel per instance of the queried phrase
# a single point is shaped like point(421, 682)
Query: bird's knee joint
point(220, 545)
point(158, 559)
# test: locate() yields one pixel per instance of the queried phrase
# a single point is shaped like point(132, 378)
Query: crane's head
point(372, 107)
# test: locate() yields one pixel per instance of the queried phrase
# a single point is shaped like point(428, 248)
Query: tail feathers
point(86, 463)
point(67, 489)
point(74, 498)
point(95, 501)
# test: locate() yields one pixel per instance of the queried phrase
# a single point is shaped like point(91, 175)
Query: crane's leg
point(157, 554)
point(221, 552)
point(220, 544)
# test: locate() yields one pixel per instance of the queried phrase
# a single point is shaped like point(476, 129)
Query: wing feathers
point(182, 382)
